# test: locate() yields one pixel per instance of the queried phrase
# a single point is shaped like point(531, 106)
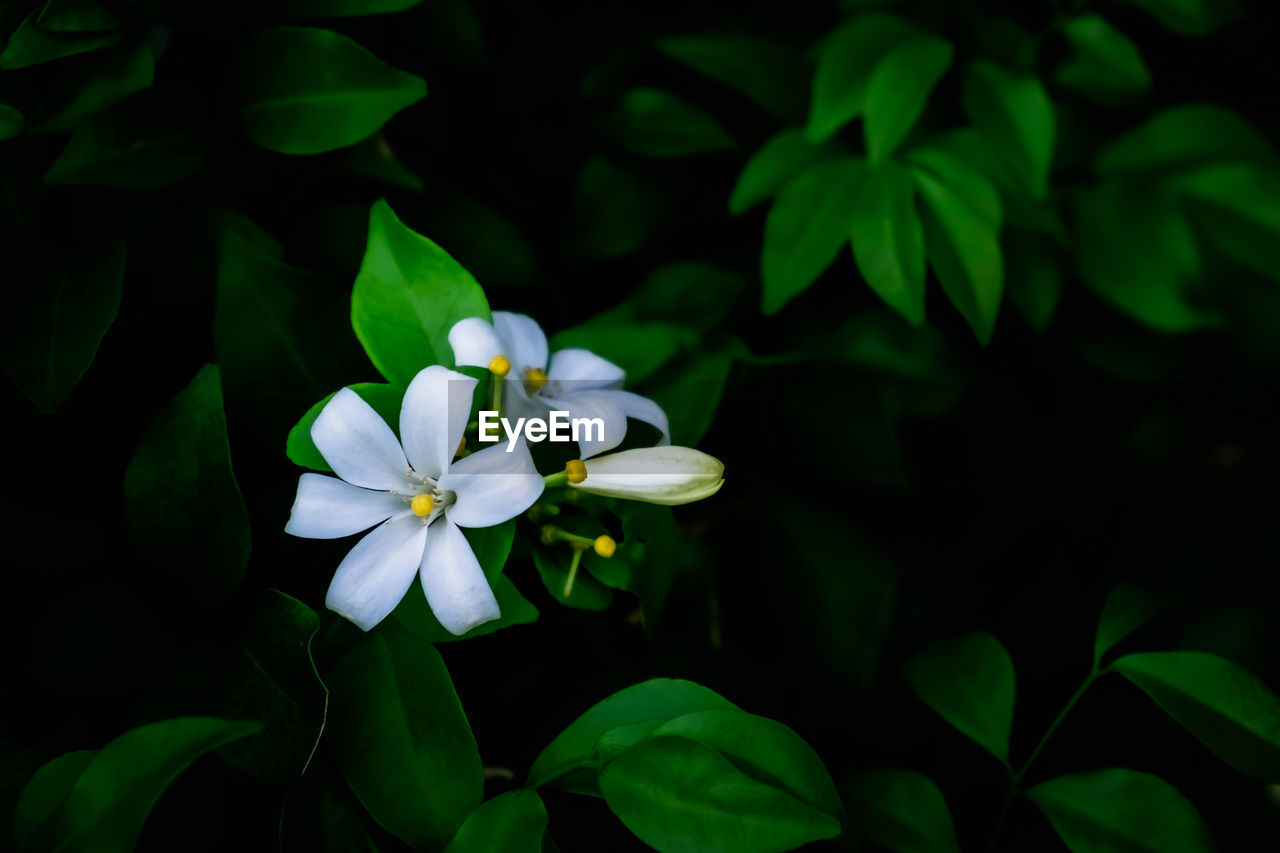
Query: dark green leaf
point(845, 64)
point(1127, 609)
point(303, 90)
point(897, 91)
point(691, 292)
point(1106, 66)
point(320, 815)
point(1223, 704)
point(513, 822)
point(483, 240)
point(401, 737)
point(56, 319)
point(1236, 204)
point(690, 401)
point(766, 71)
point(776, 162)
point(679, 796)
point(653, 547)
point(408, 295)
point(11, 122)
point(587, 593)
point(615, 211)
point(385, 400)
point(1034, 275)
point(901, 811)
point(180, 493)
point(1182, 137)
point(888, 240)
point(1014, 113)
point(32, 45)
point(1120, 809)
point(43, 798)
point(969, 681)
point(129, 68)
point(78, 16)
point(343, 8)
point(639, 349)
point(659, 124)
point(806, 227)
point(374, 158)
point(1191, 17)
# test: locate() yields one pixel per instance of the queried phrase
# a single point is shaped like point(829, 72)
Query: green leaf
point(901, 811)
point(491, 546)
point(690, 400)
point(303, 90)
point(898, 90)
point(181, 497)
point(679, 796)
point(888, 240)
point(653, 547)
point(43, 798)
point(691, 292)
point(150, 139)
point(615, 211)
point(1227, 707)
point(78, 16)
point(343, 8)
point(320, 815)
point(969, 681)
point(1183, 137)
point(1191, 17)
point(806, 227)
point(385, 400)
point(129, 68)
point(105, 808)
point(1236, 205)
point(766, 71)
point(766, 750)
point(1120, 809)
point(776, 162)
point(1014, 113)
point(1034, 275)
point(31, 45)
point(845, 65)
point(659, 124)
point(658, 699)
point(56, 318)
point(1127, 609)
point(375, 159)
point(513, 822)
point(401, 737)
point(587, 593)
point(11, 122)
point(483, 240)
point(638, 348)
point(408, 295)
point(1106, 66)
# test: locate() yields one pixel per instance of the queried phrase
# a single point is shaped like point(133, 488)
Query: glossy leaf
point(888, 240)
point(1014, 113)
point(385, 400)
point(766, 71)
point(1236, 205)
point(78, 16)
point(1107, 65)
point(845, 64)
point(969, 681)
point(1127, 609)
point(407, 296)
point(806, 227)
point(513, 822)
point(303, 90)
point(56, 319)
point(1191, 17)
point(1182, 137)
point(11, 122)
point(129, 68)
point(901, 811)
point(343, 8)
point(36, 814)
point(1120, 809)
point(779, 160)
point(897, 91)
point(31, 44)
point(401, 737)
point(679, 796)
point(180, 493)
point(1227, 707)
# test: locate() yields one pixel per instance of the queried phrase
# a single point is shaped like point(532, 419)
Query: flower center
point(534, 379)
point(422, 505)
point(425, 499)
point(499, 365)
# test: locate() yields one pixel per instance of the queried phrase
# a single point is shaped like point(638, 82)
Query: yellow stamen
point(534, 378)
point(422, 505)
point(576, 470)
point(499, 365)
point(605, 546)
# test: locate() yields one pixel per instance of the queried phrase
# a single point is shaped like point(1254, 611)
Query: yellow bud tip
point(534, 378)
point(605, 546)
point(499, 366)
point(422, 505)
point(462, 445)
point(576, 469)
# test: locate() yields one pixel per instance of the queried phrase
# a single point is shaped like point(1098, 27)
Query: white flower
point(417, 495)
point(576, 381)
point(658, 475)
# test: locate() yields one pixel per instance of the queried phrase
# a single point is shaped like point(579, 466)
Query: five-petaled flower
point(419, 497)
point(573, 380)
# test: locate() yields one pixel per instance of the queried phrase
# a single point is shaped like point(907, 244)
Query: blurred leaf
point(1127, 609)
point(1182, 137)
point(659, 124)
point(1224, 705)
point(128, 69)
point(374, 158)
point(1034, 275)
point(897, 91)
point(654, 700)
point(401, 737)
point(806, 227)
point(1014, 113)
point(150, 139)
point(776, 162)
point(343, 8)
point(845, 65)
point(888, 240)
point(483, 240)
point(78, 16)
point(11, 122)
point(691, 292)
point(1191, 17)
point(1238, 205)
point(653, 547)
point(57, 317)
point(766, 71)
point(43, 798)
point(883, 343)
point(1120, 809)
point(447, 29)
point(303, 90)
point(385, 400)
point(639, 349)
point(180, 493)
point(320, 815)
point(901, 811)
point(32, 45)
point(407, 296)
point(614, 211)
point(587, 593)
point(691, 398)
point(969, 681)
point(670, 791)
point(513, 822)
point(1107, 65)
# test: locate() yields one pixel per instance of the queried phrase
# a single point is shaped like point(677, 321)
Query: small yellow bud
point(577, 471)
point(548, 534)
point(605, 546)
point(462, 445)
point(534, 378)
point(422, 505)
point(499, 366)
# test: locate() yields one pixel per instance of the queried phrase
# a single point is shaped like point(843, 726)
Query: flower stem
point(573, 571)
point(496, 386)
point(559, 478)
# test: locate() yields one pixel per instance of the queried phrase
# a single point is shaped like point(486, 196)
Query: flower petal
point(456, 587)
point(523, 338)
point(377, 572)
point(327, 508)
point(593, 404)
point(433, 416)
point(579, 370)
point(358, 444)
point(492, 485)
point(660, 475)
point(640, 408)
point(474, 342)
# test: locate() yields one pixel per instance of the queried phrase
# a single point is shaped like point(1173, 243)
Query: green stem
point(559, 478)
point(573, 571)
point(495, 384)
